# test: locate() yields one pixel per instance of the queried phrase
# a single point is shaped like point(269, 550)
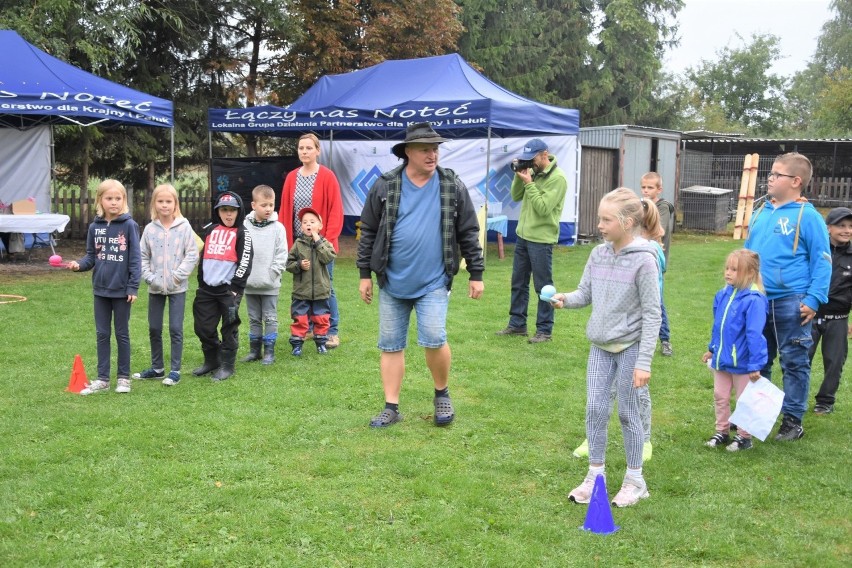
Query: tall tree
point(504, 39)
point(600, 56)
point(739, 86)
point(625, 63)
point(834, 47)
point(818, 93)
point(343, 35)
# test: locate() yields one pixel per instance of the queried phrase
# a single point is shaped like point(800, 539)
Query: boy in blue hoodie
point(795, 263)
point(222, 274)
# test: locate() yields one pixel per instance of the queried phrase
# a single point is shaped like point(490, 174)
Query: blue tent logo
point(364, 181)
point(501, 186)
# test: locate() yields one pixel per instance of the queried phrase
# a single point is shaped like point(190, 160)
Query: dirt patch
point(34, 261)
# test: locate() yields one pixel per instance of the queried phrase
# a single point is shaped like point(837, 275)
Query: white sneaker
point(123, 385)
point(632, 490)
point(172, 379)
point(96, 386)
point(583, 493)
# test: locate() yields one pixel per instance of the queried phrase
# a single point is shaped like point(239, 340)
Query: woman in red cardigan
point(314, 185)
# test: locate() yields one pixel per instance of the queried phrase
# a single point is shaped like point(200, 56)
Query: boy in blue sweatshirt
point(795, 263)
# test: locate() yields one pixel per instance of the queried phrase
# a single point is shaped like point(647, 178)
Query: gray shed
point(614, 156)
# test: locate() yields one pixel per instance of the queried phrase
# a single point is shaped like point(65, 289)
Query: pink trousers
point(723, 383)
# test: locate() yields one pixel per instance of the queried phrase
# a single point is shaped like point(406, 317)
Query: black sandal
point(444, 411)
point(386, 418)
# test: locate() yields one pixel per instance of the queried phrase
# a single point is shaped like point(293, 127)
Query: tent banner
point(98, 107)
point(358, 164)
point(36, 87)
point(25, 167)
point(442, 115)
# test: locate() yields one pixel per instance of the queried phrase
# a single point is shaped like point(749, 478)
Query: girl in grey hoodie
point(169, 254)
point(621, 282)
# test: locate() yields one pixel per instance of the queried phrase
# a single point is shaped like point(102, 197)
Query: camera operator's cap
point(421, 132)
point(304, 210)
point(837, 214)
point(227, 200)
point(532, 149)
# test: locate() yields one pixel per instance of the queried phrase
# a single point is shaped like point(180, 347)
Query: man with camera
point(540, 186)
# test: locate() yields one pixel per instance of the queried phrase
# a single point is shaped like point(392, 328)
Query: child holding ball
point(620, 281)
point(112, 253)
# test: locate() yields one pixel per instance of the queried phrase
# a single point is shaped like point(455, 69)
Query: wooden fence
point(81, 208)
point(831, 192)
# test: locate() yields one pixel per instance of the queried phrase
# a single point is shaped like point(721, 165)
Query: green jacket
point(313, 284)
point(542, 200)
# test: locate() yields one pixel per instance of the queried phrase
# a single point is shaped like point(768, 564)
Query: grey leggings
point(156, 307)
point(603, 370)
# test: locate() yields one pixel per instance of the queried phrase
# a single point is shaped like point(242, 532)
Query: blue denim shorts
point(395, 314)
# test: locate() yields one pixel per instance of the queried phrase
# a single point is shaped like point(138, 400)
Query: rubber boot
point(296, 342)
point(254, 351)
point(211, 362)
point(320, 341)
point(226, 369)
point(269, 352)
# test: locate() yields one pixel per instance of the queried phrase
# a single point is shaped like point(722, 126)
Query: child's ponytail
point(651, 227)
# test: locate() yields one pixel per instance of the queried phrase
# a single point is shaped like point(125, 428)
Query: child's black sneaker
point(821, 408)
point(739, 443)
point(790, 430)
point(718, 439)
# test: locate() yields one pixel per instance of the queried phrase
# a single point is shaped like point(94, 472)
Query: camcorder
point(520, 165)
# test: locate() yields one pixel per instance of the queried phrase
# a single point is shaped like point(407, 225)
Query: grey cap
point(837, 214)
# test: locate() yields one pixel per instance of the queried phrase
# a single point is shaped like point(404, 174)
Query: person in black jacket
point(832, 318)
point(222, 275)
point(415, 220)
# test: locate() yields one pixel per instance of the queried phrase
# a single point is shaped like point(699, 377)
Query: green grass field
point(277, 466)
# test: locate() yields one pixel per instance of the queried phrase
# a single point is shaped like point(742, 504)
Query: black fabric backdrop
point(241, 175)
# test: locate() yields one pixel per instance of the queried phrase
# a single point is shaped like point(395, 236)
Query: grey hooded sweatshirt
point(624, 292)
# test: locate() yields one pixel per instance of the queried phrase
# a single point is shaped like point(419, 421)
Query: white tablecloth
point(42, 223)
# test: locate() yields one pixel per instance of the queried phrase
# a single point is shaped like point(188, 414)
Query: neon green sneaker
point(647, 451)
point(582, 450)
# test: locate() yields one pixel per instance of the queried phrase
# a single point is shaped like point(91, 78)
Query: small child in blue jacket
point(737, 350)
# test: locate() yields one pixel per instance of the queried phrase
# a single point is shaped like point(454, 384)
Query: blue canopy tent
point(37, 88)
point(378, 103)
point(37, 91)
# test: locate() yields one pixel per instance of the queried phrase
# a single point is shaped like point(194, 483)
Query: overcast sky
point(706, 26)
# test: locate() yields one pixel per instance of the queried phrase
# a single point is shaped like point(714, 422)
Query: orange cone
point(78, 380)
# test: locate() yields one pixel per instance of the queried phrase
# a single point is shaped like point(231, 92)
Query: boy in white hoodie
point(269, 240)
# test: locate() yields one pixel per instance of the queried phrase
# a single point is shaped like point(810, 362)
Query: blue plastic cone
point(599, 517)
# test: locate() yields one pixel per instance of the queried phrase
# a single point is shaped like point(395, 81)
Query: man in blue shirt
point(795, 264)
point(416, 220)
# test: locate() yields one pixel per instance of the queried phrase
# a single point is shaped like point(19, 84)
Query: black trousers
point(207, 310)
point(835, 347)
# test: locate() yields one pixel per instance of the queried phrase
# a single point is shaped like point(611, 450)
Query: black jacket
point(459, 226)
point(840, 289)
